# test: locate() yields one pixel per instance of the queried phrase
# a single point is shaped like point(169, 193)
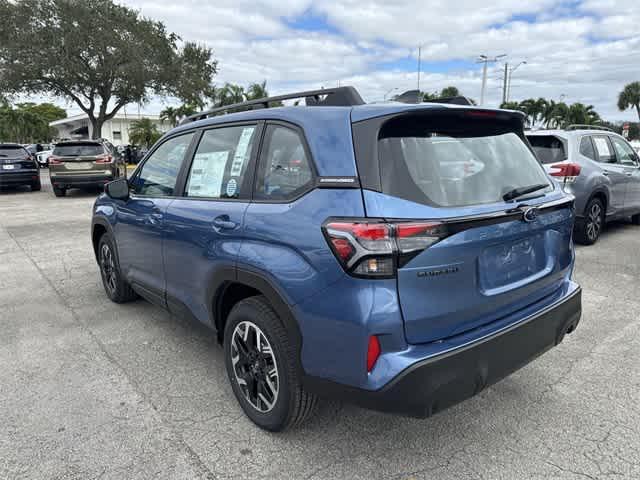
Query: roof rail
point(327, 97)
point(579, 126)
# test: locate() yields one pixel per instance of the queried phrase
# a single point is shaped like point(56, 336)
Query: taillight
point(374, 248)
point(104, 159)
point(55, 160)
point(569, 171)
point(373, 352)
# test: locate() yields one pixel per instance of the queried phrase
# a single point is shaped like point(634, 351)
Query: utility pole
point(486, 60)
point(505, 82)
point(509, 75)
point(419, 60)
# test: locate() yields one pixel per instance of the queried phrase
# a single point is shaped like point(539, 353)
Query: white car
point(43, 158)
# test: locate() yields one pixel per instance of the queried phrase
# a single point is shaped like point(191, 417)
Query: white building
point(116, 130)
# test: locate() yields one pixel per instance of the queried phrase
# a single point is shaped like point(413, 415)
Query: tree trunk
point(638, 110)
point(96, 127)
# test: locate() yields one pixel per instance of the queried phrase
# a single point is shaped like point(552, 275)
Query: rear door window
point(460, 167)
point(221, 162)
point(586, 148)
point(78, 150)
point(603, 149)
point(548, 148)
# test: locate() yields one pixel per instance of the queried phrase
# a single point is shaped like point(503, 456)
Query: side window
point(603, 149)
point(624, 152)
point(586, 148)
point(158, 175)
point(220, 164)
point(285, 170)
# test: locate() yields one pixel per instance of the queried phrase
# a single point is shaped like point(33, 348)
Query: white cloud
point(585, 51)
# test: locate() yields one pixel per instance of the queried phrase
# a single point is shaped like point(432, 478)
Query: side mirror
point(118, 189)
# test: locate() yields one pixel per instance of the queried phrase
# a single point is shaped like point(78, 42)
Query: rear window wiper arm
point(520, 191)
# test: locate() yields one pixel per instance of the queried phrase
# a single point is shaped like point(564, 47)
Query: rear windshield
point(456, 168)
point(549, 149)
point(78, 149)
point(12, 152)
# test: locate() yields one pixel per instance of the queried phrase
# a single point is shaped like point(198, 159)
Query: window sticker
point(602, 146)
point(241, 151)
point(232, 188)
point(207, 173)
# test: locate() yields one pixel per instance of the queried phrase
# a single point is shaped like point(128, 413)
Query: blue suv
point(402, 257)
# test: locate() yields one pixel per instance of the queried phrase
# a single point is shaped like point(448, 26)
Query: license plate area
point(513, 264)
point(9, 167)
point(78, 165)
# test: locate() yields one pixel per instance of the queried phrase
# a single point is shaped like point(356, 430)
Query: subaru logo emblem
point(530, 215)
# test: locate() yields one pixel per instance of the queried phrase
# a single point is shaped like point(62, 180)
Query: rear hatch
point(79, 158)
point(15, 158)
point(471, 247)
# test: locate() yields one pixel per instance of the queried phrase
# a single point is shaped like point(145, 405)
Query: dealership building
point(116, 130)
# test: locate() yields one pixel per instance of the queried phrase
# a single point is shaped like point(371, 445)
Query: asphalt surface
point(90, 389)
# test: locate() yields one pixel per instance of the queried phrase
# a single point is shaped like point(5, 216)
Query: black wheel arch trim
point(598, 191)
point(109, 229)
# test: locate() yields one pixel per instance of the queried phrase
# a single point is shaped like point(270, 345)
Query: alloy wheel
point(594, 222)
point(254, 366)
point(107, 265)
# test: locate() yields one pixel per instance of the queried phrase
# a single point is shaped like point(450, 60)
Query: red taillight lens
point(104, 159)
point(567, 170)
point(55, 160)
point(372, 248)
point(373, 352)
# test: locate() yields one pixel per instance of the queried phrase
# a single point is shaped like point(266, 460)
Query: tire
point(636, 219)
point(115, 286)
point(290, 405)
point(589, 228)
point(59, 192)
point(36, 187)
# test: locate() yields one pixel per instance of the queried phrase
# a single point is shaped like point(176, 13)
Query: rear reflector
point(373, 352)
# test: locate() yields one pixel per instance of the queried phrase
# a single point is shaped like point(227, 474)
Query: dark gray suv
point(599, 168)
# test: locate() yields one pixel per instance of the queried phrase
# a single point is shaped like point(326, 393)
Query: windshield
point(548, 149)
point(12, 152)
point(78, 149)
point(459, 169)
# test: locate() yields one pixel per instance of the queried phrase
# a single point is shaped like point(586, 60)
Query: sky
point(579, 51)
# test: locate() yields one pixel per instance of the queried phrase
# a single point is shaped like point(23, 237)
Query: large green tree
point(28, 122)
point(144, 132)
point(630, 97)
point(98, 54)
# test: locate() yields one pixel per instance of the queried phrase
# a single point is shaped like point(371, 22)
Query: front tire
point(59, 192)
point(36, 187)
point(589, 228)
point(263, 367)
point(636, 219)
point(115, 286)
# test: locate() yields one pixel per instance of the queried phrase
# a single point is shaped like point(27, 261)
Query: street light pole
point(486, 60)
point(509, 75)
point(419, 66)
point(505, 82)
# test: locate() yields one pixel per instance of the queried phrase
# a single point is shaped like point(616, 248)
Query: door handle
point(605, 173)
point(223, 222)
point(629, 174)
point(155, 218)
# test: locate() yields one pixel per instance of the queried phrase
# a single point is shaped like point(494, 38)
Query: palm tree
point(230, 94)
point(450, 92)
point(582, 114)
point(630, 97)
point(144, 132)
point(170, 115)
point(257, 90)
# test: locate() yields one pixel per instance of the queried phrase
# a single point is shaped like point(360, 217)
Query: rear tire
point(36, 187)
point(589, 228)
point(59, 192)
point(115, 286)
point(263, 367)
point(636, 219)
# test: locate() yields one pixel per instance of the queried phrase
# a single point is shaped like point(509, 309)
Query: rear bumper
point(19, 177)
point(78, 181)
point(431, 385)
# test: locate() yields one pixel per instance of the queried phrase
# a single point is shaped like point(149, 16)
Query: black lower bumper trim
point(432, 385)
point(21, 178)
point(79, 182)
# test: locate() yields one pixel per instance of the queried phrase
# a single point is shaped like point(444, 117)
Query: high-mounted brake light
point(569, 171)
point(373, 248)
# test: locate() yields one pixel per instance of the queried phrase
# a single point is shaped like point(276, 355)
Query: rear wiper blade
point(520, 191)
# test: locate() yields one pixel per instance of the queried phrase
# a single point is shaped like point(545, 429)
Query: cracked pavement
point(90, 389)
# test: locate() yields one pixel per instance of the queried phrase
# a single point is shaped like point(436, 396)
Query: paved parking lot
point(90, 389)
